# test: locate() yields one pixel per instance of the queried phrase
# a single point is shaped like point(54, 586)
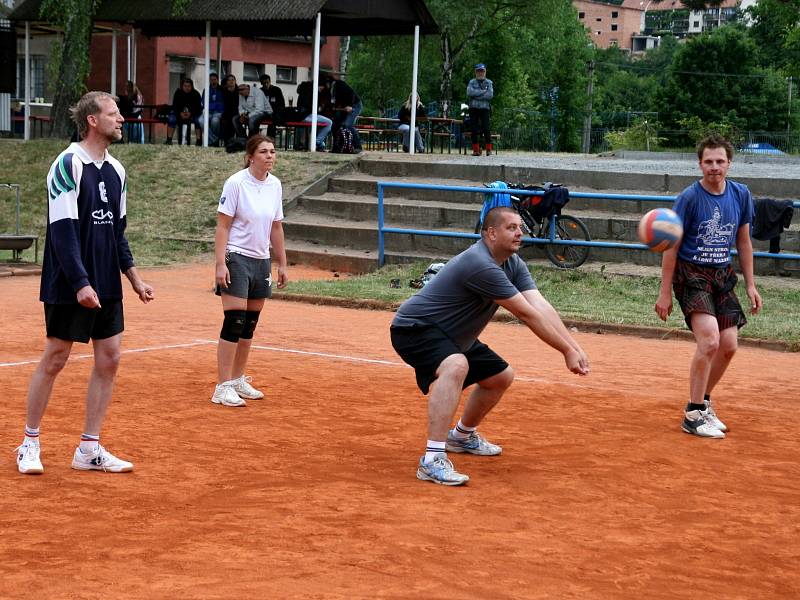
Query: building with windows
point(610, 23)
point(638, 25)
point(160, 63)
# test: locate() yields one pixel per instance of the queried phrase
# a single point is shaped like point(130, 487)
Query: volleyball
point(660, 229)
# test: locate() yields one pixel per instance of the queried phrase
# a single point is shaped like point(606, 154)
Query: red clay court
point(311, 493)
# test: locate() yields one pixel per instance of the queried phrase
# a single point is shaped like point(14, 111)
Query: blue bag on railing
point(491, 201)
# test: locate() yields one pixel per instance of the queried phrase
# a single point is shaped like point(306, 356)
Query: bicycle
point(537, 220)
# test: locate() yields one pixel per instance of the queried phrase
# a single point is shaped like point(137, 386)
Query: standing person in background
point(134, 103)
point(480, 92)
point(716, 214)
point(215, 105)
point(274, 96)
point(187, 108)
point(85, 251)
point(405, 125)
point(249, 222)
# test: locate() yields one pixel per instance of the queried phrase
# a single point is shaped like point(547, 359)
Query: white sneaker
point(695, 423)
point(28, 461)
point(245, 390)
point(710, 415)
point(226, 395)
point(100, 460)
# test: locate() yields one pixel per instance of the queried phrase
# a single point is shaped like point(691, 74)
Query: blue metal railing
point(551, 239)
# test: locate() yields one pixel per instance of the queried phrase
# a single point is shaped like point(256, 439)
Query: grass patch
point(172, 191)
point(582, 295)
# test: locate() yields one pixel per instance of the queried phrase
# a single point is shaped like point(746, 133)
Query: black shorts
point(424, 347)
point(76, 323)
point(708, 290)
point(251, 278)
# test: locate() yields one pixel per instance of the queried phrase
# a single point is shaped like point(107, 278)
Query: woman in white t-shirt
point(249, 222)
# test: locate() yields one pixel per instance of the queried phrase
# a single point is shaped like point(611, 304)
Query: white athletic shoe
point(695, 423)
point(245, 390)
point(28, 461)
point(100, 460)
point(710, 415)
point(226, 395)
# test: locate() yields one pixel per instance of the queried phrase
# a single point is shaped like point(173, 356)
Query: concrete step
point(425, 214)
point(366, 185)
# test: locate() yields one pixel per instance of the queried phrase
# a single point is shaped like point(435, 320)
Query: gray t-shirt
point(460, 298)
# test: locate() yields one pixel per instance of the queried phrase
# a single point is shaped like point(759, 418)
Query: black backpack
point(235, 144)
point(344, 141)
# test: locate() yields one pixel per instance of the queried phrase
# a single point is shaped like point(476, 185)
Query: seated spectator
point(274, 96)
point(305, 98)
point(230, 100)
point(253, 108)
point(187, 108)
point(345, 102)
point(405, 124)
point(216, 108)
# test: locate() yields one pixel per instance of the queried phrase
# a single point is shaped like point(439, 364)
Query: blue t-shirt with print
point(711, 222)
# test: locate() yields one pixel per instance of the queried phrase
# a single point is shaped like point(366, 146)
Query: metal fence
point(383, 230)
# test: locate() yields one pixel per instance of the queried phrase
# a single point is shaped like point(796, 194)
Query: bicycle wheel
point(568, 257)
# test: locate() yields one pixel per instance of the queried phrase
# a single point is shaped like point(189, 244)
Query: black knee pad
point(233, 325)
point(250, 323)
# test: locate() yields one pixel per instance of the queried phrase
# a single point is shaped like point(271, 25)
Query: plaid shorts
point(708, 290)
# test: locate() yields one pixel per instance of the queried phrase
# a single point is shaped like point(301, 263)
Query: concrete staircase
point(333, 224)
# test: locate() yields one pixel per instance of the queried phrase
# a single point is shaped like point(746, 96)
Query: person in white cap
point(480, 91)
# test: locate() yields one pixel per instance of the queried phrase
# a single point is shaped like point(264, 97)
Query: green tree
point(70, 56)
point(69, 62)
point(716, 77)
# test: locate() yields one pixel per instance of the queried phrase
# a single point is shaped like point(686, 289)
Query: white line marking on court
point(132, 351)
point(345, 357)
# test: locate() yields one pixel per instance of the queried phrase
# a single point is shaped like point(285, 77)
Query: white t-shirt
point(254, 206)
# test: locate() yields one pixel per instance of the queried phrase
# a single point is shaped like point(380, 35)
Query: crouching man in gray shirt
point(436, 332)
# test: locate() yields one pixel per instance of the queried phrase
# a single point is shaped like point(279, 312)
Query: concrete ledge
point(505, 317)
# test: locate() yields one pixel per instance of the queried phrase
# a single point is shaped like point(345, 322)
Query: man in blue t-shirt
point(716, 214)
point(85, 251)
point(436, 332)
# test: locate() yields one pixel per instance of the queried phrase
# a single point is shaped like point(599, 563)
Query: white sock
point(31, 435)
point(89, 443)
point(461, 431)
point(434, 447)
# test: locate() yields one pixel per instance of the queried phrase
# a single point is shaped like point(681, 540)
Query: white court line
point(132, 351)
point(293, 351)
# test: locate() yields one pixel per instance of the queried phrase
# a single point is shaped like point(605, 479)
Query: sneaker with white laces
point(226, 395)
point(100, 460)
point(440, 470)
point(710, 415)
point(245, 390)
point(695, 423)
point(28, 460)
point(474, 444)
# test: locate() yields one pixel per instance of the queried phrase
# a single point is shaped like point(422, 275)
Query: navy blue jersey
point(85, 243)
point(711, 222)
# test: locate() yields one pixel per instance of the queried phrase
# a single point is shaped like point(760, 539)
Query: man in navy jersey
point(716, 214)
point(85, 251)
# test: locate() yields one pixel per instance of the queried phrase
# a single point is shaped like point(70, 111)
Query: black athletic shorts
point(424, 347)
point(708, 290)
point(76, 323)
point(251, 278)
